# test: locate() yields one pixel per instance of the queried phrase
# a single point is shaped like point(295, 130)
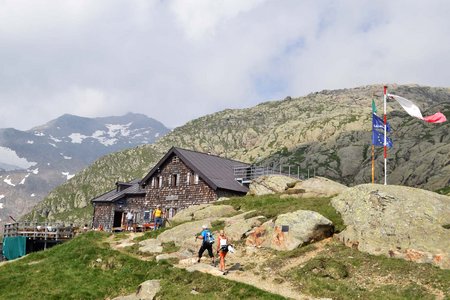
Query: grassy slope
point(340, 272)
point(73, 271)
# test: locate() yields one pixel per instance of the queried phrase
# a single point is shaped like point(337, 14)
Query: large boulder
point(236, 230)
point(317, 187)
point(187, 214)
point(150, 246)
point(145, 291)
point(291, 230)
point(396, 221)
point(214, 211)
point(184, 231)
point(203, 211)
point(269, 184)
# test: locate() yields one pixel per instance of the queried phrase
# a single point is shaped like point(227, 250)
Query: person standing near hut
point(157, 214)
point(130, 220)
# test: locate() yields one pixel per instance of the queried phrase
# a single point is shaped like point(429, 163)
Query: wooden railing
point(44, 231)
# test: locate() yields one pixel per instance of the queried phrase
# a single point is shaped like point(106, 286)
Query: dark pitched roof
point(216, 171)
point(114, 195)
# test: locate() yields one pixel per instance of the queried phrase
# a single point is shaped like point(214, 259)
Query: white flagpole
point(385, 137)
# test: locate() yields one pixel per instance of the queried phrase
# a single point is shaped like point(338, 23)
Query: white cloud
point(181, 59)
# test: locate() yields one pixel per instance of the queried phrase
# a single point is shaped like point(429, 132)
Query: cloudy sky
point(176, 60)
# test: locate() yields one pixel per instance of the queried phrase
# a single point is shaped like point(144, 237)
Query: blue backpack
point(209, 237)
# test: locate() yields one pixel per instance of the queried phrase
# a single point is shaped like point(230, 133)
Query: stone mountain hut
point(180, 179)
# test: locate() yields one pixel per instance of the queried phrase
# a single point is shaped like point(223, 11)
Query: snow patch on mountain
point(55, 139)
point(156, 134)
point(2, 196)
point(67, 175)
point(32, 195)
point(10, 157)
point(38, 133)
point(77, 138)
point(7, 180)
point(65, 157)
point(35, 171)
point(114, 130)
point(1, 206)
point(51, 144)
point(23, 180)
point(30, 142)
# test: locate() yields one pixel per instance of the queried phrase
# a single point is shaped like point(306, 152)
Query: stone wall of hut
point(104, 212)
point(172, 195)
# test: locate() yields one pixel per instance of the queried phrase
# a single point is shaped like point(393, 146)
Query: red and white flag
point(414, 111)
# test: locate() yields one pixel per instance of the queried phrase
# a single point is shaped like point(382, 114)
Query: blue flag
point(377, 122)
point(378, 139)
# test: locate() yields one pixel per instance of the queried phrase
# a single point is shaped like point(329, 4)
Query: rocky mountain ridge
point(327, 133)
point(35, 161)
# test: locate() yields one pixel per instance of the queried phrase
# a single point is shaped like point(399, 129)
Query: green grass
point(86, 268)
point(280, 258)
point(152, 234)
point(170, 247)
point(444, 191)
point(340, 272)
point(271, 206)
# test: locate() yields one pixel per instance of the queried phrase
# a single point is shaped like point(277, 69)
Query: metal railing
point(45, 231)
point(247, 174)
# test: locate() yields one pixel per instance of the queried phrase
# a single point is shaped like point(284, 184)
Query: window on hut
point(175, 180)
point(195, 178)
point(188, 178)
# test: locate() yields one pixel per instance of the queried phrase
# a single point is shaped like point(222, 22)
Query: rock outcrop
point(269, 184)
point(291, 230)
point(291, 187)
point(317, 187)
point(180, 233)
point(150, 246)
point(396, 221)
point(145, 291)
point(236, 227)
point(203, 211)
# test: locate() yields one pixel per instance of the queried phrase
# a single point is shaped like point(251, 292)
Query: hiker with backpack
point(207, 243)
